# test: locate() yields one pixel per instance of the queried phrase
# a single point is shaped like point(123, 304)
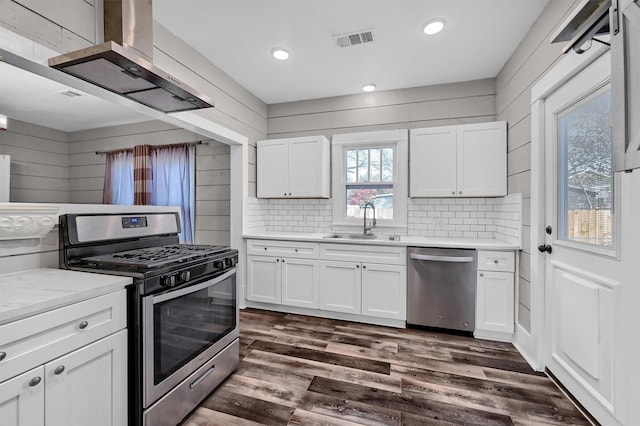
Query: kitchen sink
point(363, 237)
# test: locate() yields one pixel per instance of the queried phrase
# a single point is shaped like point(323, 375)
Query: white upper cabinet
point(293, 168)
point(459, 161)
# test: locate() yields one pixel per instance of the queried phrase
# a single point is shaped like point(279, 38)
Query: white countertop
point(34, 291)
point(486, 244)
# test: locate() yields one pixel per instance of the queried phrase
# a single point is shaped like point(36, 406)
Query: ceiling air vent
point(360, 37)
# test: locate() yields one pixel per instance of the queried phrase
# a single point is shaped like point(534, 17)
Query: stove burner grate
point(156, 256)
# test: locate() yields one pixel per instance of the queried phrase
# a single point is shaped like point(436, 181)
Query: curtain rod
point(183, 143)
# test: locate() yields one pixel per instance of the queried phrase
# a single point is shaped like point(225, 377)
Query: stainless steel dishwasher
point(441, 288)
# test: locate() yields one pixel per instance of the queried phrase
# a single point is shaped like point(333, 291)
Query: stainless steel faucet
point(367, 230)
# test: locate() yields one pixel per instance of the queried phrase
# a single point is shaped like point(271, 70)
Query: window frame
point(340, 143)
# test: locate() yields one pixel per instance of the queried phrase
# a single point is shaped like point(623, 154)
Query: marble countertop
point(34, 291)
point(486, 244)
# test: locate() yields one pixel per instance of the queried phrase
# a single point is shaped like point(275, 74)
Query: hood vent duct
point(123, 63)
point(589, 19)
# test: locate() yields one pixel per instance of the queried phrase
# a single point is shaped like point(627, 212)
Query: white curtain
point(118, 180)
point(173, 183)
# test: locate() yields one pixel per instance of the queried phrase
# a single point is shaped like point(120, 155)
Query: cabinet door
point(495, 301)
point(263, 279)
point(482, 159)
point(625, 86)
point(432, 159)
point(309, 167)
point(384, 291)
point(300, 282)
point(22, 399)
point(89, 386)
point(273, 168)
point(340, 286)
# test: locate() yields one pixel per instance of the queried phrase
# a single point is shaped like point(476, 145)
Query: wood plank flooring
point(299, 370)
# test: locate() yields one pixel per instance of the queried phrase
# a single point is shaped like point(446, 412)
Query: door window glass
point(585, 177)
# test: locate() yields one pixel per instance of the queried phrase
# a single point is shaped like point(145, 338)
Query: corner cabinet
point(293, 168)
point(495, 295)
point(459, 161)
point(67, 366)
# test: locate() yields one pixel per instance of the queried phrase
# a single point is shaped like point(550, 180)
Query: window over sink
point(370, 167)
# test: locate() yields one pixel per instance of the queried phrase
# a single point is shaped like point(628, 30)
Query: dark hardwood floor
point(299, 370)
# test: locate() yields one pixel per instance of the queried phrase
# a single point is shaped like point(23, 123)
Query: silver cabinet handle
point(35, 381)
point(83, 325)
point(3, 355)
point(59, 369)
point(453, 192)
point(460, 192)
point(464, 259)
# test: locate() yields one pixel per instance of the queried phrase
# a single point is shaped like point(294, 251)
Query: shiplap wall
point(39, 162)
point(428, 106)
point(86, 170)
point(532, 58)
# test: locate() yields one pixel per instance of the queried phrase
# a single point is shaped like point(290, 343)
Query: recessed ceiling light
point(280, 54)
point(433, 26)
point(369, 87)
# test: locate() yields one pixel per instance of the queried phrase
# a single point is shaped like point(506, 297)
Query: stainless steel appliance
point(182, 307)
point(441, 288)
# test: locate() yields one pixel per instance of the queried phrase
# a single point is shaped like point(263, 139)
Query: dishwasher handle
point(456, 259)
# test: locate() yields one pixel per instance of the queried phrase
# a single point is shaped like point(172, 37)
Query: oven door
point(183, 329)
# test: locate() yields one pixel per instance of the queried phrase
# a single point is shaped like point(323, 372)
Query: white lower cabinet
point(75, 360)
point(22, 399)
point(88, 386)
point(495, 295)
point(370, 289)
point(384, 291)
point(263, 279)
point(285, 281)
point(340, 286)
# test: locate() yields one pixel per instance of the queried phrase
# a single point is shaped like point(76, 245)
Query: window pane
point(363, 165)
point(387, 164)
point(351, 165)
point(585, 178)
point(374, 165)
point(380, 195)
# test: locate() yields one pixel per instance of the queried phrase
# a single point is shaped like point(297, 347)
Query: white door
point(273, 168)
point(340, 286)
point(300, 282)
point(384, 291)
point(580, 241)
point(305, 167)
point(263, 279)
point(432, 154)
point(482, 159)
point(89, 386)
point(22, 399)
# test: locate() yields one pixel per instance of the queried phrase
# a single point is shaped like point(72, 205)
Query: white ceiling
point(238, 35)
point(31, 98)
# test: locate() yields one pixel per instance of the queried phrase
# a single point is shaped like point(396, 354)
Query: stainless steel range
point(182, 307)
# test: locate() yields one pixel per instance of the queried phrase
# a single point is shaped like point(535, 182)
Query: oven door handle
point(192, 289)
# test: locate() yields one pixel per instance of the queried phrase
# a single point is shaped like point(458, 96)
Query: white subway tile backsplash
point(498, 218)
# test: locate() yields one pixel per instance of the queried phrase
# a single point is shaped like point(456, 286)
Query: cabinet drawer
point(496, 261)
point(391, 255)
point(38, 339)
point(283, 248)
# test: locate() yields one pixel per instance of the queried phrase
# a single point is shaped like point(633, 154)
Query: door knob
point(545, 247)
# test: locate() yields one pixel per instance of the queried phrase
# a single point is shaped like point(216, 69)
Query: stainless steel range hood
point(123, 63)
